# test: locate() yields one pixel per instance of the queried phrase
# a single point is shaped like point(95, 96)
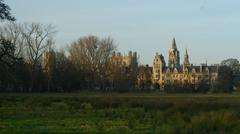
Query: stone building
point(49, 61)
point(174, 56)
point(124, 69)
point(130, 60)
point(144, 77)
point(181, 74)
point(49, 65)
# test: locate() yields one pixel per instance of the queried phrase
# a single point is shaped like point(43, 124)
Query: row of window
point(184, 81)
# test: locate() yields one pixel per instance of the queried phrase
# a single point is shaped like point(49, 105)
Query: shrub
point(38, 102)
point(87, 107)
point(214, 123)
point(59, 106)
point(156, 106)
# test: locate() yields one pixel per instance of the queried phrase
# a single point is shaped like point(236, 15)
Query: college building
point(175, 73)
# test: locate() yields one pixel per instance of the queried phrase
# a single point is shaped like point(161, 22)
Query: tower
point(186, 62)
point(158, 67)
point(49, 61)
point(49, 65)
point(174, 58)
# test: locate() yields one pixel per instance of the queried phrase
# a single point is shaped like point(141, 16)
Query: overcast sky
point(210, 29)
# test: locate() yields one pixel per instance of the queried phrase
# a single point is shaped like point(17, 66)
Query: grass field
point(140, 113)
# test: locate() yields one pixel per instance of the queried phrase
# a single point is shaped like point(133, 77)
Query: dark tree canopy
point(7, 53)
point(5, 12)
point(233, 64)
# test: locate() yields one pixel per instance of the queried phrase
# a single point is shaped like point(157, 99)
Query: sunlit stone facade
point(176, 73)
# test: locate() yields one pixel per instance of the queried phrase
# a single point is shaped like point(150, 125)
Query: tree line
point(29, 62)
point(26, 64)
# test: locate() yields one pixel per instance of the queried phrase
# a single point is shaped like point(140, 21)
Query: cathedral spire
point(186, 62)
point(174, 45)
point(174, 58)
point(186, 52)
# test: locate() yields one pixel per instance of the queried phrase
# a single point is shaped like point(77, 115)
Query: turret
point(174, 58)
point(158, 66)
point(135, 54)
point(174, 45)
point(186, 62)
point(130, 54)
point(49, 61)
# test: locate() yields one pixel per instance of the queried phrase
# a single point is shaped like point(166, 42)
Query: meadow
point(119, 113)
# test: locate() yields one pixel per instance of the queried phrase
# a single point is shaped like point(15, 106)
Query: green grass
point(114, 113)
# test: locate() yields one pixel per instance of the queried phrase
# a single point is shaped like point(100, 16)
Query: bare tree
point(92, 55)
point(104, 53)
point(38, 38)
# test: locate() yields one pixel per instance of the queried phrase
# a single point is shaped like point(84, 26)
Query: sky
point(209, 29)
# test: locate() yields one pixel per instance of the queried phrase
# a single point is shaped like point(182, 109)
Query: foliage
point(233, 64)
point(5, 12)
point(7, 57)
point(13, 72)
point(225, 79)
